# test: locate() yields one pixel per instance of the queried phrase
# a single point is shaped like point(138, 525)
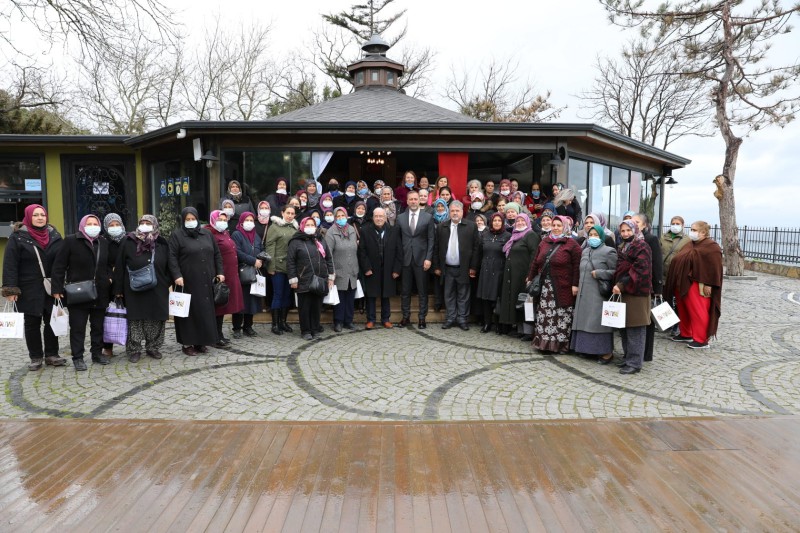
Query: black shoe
point(35, 364)
point(603, 361)
point(276, 322)
point(237, 334)
point(629, 370)
point(155, 354)
point(100, 359)
point(134, 357)
point(307, 337)
point(621, 363)
point(486, 328)
point(447, 325)
point(694, 345)
point(79, 364)
point(284, 325)
point(422, 325)
point(351, 327)
point(437, 307)
point(678, 338)
point(250, 332)
point(405, 322)
point(337, 327)
point(464, 327)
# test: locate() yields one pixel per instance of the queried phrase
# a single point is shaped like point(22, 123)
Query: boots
point(276, 322)
point(284, 315)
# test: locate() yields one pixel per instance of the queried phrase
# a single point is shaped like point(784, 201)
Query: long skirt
point(553, 323)
point(592, 343)
point(149, 331)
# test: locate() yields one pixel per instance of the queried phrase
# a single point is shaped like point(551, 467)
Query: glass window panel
point(390, 78)
point(375, 75)
point(618, 195)
point(600, 189)
point(649, 196)
point(259, 171)
point(173, 175)
point(21, 184)
point(578, 176)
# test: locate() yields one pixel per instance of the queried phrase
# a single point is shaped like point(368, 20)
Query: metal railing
point(774, 245)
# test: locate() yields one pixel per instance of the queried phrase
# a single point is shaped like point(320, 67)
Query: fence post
point(744, 241)
point(775, 246)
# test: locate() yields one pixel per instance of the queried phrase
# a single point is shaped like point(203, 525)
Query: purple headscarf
point(517, 234)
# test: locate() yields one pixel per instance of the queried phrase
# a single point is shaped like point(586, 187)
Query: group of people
point(482, 255)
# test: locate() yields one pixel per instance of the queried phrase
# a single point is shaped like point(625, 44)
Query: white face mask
point(228, 212)
point(310, 230)
point(695, 236)
point(477, 205)
point(676, 228)
point(281, 191)
point(505, 192)
point(221, 225)
point(190, 224)
point(264, 213)
point(329, 219)
point(116, 231)
point(249, 226)
point(327, 204)
point(145, 228)
point(481, 228)
point(350, 194)
point(92, 231)
point(302, 203)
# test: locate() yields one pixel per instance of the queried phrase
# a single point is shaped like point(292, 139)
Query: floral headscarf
point(517, 234)
point(113, 217)
point(262, 220)
point(443, 216)
point(146, 242)
point(344, 229)
point(567, 222)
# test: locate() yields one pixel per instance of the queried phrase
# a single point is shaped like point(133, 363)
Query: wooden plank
point(386, 482)
point(318, 492)
point(368, 508)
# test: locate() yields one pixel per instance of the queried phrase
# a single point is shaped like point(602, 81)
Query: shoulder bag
point(318, 284)
point(535, 286)
point(144, 279)
point(81, 292)
point(605, 284)
point(222, 292)
point(48, 287)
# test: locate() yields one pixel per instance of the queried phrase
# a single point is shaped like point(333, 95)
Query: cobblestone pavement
point(752, 369)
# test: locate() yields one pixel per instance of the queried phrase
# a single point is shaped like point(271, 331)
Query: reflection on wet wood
point(687, 475)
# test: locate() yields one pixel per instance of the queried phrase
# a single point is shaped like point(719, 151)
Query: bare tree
point(252, 77)
point(202, 80)
point(495, 95)
point(723, 46)
point(638, 96)
point(32, 101)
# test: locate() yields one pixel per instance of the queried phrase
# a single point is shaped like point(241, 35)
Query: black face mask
point(333, 187)
point(628, 239)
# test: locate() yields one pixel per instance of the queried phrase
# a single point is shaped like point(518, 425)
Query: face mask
point(303, 204)
point(116, 231)
point(349, 194)
point(387, 202)
point(481, 228)
point(327, 203)
point(281, 191)
point(190, 224)
point(477, 205)
point(249, 226)
point(410, 185)
point(594, 242)
point(92, 231)
point(145, 228)
point(317, 221)
point(221, 225)
point(264, 213)
point(329, 219)
point(627, 239)
point(309, 231)
point(228, 211)
point(341, 222)
point(695, 236)
point(676, 228)
point(333, 187)
point(505, 192)
point(378, 190)
point(536, 194)
point(363, 192)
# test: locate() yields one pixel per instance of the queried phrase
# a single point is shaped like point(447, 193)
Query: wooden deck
point(735, 474)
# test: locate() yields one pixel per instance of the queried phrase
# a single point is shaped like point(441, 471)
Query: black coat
point(196, 258)
point(246, 253)
point(658, 264)
point(342, 201)
point(76, 262)
point(493, 262)
point(380, 284)
point(244, 204)
point(518, 263)
point(303, 261)
point(151, 304)
point(21, 272)
point(469, 253)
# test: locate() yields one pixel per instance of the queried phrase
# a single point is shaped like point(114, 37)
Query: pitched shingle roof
point(373, 104)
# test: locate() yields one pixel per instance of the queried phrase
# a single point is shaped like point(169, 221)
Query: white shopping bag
point(613, 313)
point(663, 315)
point(359, 290)
point(530, 313)
point(259, 288)
point(179, 303)
point(59, 319)
point(12, 323)
point(332, 298)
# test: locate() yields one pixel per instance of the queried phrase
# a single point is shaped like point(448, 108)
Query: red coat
point(565, 266)
point(230, 268)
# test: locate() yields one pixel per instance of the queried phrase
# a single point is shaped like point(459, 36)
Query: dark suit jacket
point(468, 248)
point(417, 248)
point(380, 283)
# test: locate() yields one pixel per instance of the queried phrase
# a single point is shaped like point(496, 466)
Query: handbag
point(613, 313)
point(534, 288)
point(318, 284)
point(48, 286)
point(82, 292)
point(12, 322)
point(604, 284)
point(143, 279)
point(247, 274)
point(115, 324)
point(59, 319)
point(221, 293)
point(663, 314)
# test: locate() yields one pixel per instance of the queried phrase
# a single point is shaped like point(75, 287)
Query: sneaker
point(694, 345)
point(678, 338)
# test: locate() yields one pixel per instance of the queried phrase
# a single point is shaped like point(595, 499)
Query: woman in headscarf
point(279, 198)
point(313, 192)
point(241, 202)
point(227, 207)
point(280, 232)
point(598, 262)
point(390, 205)
point(325, 204)
point(84, 257)
point(362, 190)
point(114, 232)
point(493, 260)
point(308, 256)
point(374, 199)
point(695, 280)
point(325, 222)
point(567, 204)
point(633, 281)
point(359, 217)
point(441, 214)
point(518, 197)
point(147, 310)
point(342, 241)
point(475, 204)
point(520, 250)
point(558, 260)
point(33, 241)
point(248, 246)
point(263, 216)
point(218, 226)
point(302, 198)
point(194, 262)
point(504, 190)
point(544, 223)
point(592, 220)
point(348, 199)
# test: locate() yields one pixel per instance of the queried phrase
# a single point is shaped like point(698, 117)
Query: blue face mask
point(410, 185)
point(341, 222)
point(594, 242)
point(317, 221)
point(363, 192)
point(536, 194)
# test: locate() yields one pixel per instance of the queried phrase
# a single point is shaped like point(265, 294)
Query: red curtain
point(454, 165)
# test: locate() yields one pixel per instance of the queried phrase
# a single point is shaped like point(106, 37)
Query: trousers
point(33, 333)
point(309, 307)
point(78, 316)
point(411, 276)
point(694, 312)
point(456, 296)
point(633, 340)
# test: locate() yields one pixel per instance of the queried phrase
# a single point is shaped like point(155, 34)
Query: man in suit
point(416, 239)
point(456, 259)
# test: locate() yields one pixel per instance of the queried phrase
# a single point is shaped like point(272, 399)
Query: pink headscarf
point(212, 219)
point(82, 227)
point(251, 235)
point(567, 222)
point(261, 219)
point(302, 229)
point(517, 234)
point(40, 235)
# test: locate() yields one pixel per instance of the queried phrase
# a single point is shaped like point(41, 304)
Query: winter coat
point(633, 276)
point(469, 253)
point(657, 265)
point(279, 234)
point(380, 284)
point(21, 273)
point(349, 203)
point(230, 269)
point(246, 254)
point(244, 204)
point(564, 271)
point(152, 304)
point(344, 252)
point(671, 244)
point(517, 265)
point(304, 261)
point(76, 261)
point(589, 302)
point(196, 258)
point(490, 277)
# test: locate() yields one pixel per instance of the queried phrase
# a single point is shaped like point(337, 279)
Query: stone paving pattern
point(752, 369)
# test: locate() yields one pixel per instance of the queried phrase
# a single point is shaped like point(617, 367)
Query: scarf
point(146, 242)
point(235, 197)
point(82, 230)
point(567, 222)
point(212, 219)
point(113, 217)
point(440, 217)
point(637, 234)
point(502, 226)
point(190, 232)
point(344, 229)
point(227, 201)
point(517, 234)
point(507, 184)
point(313, 199)
point(40, 235)
point(262, 220)
point(251, 235)
point(320, 248)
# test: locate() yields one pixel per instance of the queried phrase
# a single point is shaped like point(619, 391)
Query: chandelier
point(376, 158)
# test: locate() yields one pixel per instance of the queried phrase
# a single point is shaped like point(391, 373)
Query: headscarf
point(628, 214)
point(346, 228)
point(313, 199)
point(567, 222)
point(601, 232)
point(224, 201)
point(490, 225)
point(515, 206)
point(316, 240)
point(477, 195)
point(322, 222)
point(637, 233)
point(190, 211)
point(236, 197)
point(390, 208)
point(262, 220)
point(146, 242)
point(283, 197)
point(521, 197)
point(517, 234)
point(350, 199)
point(82, 228)
point(507, 183)
point(443, 216)
point(356, 217)
point(547, 213)
point(212, 219)
point(40, 235)
point(599, 219)
point(375, 186)
point(322, 198)
point(251, 235)
point(362, 185)
point(113, 217)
